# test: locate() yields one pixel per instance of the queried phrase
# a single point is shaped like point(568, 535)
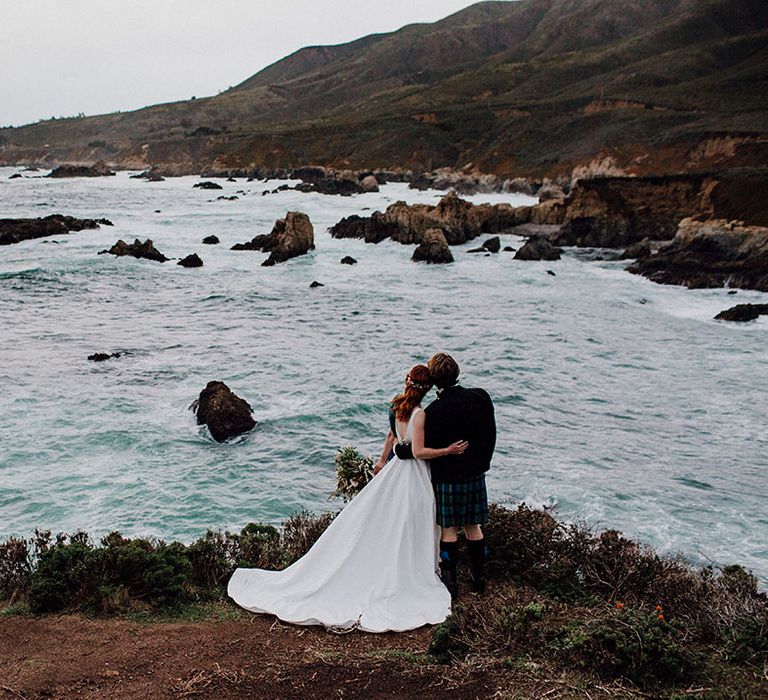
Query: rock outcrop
point(743, 312)
point(317, 178)
point(459, 220)
point(17, 230)
point(492, 245)
point(348, 260)
point(99, 169)
point(192, 260)
point(211, 240)
point(433, 248)
point(208, 185)
point(225, 413)
point(713, 253)
point(472, 183)
point(538, 248)
point(289, 238)
point(637, 250)
point(137, 249)
point(616, 212)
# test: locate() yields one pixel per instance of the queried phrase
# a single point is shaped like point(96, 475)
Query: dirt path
point(69, 656)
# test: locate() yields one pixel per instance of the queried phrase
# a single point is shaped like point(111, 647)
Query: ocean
point(619, 402)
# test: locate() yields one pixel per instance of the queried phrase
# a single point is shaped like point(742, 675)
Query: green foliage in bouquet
point(353, 472)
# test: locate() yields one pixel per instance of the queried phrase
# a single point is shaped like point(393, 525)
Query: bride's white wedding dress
point(373, 569)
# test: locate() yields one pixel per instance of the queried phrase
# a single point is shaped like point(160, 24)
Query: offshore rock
point(433, 248)
point(316, 178)
point(459, 220)
point(137, 249)
point(369, 184)
point(289, 238)
point(709, 254)
point(743, 312)
point(348, 260)
point(208, 185)
point(211, 240)
point(99, 169)
point(492, 245)
point(192, 260)
point(225, 413)
point(16, 230)
point(538, 248)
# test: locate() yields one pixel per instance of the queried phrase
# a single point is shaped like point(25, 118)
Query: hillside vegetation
point(517, 88)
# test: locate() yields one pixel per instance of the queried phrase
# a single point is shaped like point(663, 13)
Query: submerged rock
point(348, 260)
point(99, 169)
point(137, 249)
point(192, 260)
point(225, 413)
point(538, 248)
point(433, 248)
point(207, 185)
point(17, 230)
point(15, 176)
point(743, 312)
point(316, 284)
point(102, 356)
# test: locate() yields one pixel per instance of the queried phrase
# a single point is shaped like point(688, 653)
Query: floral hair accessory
point(417, 385)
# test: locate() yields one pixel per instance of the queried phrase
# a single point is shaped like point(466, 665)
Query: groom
point(459, 480)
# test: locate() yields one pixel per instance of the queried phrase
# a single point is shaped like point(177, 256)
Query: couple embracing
point(375, 567)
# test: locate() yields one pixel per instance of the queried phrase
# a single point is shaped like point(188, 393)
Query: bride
point(374, 568)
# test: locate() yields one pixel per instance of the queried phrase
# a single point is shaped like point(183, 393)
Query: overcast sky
point(63, 57)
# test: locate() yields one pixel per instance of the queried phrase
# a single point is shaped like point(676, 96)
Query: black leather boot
point(477, 564)
point(448, 560)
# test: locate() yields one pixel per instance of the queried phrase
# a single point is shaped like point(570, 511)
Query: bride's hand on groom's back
point(457, 447)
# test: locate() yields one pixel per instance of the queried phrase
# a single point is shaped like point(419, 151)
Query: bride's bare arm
point(389, 441)
point(421, 452)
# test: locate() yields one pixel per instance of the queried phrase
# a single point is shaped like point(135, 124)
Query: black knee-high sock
point(449, 554)
point(477, 556)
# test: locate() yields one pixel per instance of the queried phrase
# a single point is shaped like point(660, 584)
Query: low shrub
point(15, 568)
point(76, 575)
point(300, 532)
point(635, 644)
point(67, 575)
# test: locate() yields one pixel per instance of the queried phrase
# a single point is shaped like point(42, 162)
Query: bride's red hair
point(417, 384)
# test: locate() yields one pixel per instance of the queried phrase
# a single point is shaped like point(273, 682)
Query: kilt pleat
point(462, 502)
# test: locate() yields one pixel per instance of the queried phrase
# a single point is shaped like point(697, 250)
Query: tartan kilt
point(462, 502)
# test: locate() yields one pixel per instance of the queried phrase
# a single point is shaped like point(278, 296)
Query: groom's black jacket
point(458, 414)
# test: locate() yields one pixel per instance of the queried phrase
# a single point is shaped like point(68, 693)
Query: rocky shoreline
point(697, 230)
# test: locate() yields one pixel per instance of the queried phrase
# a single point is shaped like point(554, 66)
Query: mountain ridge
point(516, 88)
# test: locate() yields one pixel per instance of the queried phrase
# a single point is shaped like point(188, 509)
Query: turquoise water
point(618, 401)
